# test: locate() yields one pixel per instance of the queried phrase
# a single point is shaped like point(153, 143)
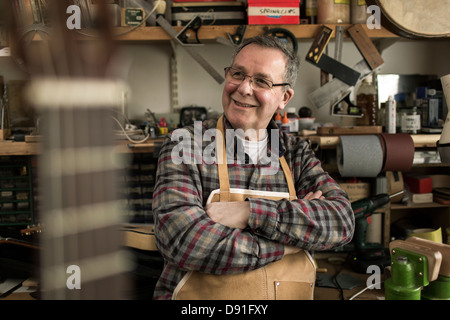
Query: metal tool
point(190, 50)
point(363, 210)
point(420, 270)
point(284, 35)
point(316, 56)
point(234, 39)
point(237, 38)
point(367, 254)
point(184, 36)
point(336, 90)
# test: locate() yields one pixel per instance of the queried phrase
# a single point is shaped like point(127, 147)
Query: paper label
point(410, 122)
point(274, 12)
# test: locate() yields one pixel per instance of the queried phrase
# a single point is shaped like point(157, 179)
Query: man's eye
point(262, 82)
point(238, 75)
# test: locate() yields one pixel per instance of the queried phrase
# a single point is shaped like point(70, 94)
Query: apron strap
point(224, 180)
point(221, 151)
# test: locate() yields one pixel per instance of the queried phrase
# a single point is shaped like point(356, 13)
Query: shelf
point(396, 206)
point(420, 141)
point(208, 34)
point(18, 148)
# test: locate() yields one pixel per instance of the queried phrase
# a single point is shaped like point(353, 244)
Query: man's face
point(246, 106)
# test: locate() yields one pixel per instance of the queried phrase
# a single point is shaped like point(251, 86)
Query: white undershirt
point(256, 150)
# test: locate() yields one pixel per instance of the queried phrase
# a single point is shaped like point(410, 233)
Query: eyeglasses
point(237, 77)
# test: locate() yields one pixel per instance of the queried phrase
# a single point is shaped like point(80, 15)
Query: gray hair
point(266, 41)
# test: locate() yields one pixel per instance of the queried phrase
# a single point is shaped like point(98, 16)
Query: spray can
point(391, 111)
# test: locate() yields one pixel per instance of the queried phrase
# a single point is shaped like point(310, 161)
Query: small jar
point(333, 11)
point(410, 120)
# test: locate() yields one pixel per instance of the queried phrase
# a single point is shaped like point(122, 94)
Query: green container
point(403, 283)
point(438, 289)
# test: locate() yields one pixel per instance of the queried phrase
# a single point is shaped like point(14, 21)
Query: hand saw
point(336, 90)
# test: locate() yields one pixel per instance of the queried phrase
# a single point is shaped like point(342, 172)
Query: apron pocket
point(293, 290)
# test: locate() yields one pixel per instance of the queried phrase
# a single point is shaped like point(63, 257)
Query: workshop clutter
point(211, 12)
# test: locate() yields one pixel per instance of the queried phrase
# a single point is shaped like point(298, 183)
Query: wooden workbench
point(20, 148)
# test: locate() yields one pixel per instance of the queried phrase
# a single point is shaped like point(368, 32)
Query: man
point(234, 237)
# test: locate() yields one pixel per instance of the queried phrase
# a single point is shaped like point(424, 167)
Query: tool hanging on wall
point(284, 35)
point(336, 90)
point(234, 39)
point(317, 57)
point(190, 49)
point(184, 36)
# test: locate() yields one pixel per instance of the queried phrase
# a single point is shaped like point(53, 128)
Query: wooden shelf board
point(208, 34)
point(397, 206)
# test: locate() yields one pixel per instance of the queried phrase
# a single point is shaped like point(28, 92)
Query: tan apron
point(291, 278)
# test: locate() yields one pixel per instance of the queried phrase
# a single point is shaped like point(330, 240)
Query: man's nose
point(246, 86)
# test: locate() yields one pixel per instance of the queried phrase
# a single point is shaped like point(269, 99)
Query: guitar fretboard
point(77, 175)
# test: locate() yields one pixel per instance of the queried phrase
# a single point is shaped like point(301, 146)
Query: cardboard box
point(357, 190)
point(418, 183)
point(211, 13)
point(273, 12)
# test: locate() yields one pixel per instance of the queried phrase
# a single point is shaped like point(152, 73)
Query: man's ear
point(287, 96)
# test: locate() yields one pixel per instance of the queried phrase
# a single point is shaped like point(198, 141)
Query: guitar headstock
point(55, 49)
point(30, 230)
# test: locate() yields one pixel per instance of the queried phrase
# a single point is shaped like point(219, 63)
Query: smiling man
point(298, 207)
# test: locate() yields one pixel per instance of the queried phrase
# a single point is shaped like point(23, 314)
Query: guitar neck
point(77, 174)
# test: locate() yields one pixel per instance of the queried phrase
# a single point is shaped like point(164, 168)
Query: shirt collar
point(273, 133)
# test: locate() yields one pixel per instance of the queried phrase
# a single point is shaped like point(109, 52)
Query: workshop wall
point(149, 75)
point(147, 70)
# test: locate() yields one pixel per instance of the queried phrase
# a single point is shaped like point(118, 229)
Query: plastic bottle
point(391, 112)
point(333, 11)
point(367, 99)
point(285, 123)
point(163, 129)
point(278, 119)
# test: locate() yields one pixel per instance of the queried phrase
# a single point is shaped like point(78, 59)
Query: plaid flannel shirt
point(189, 240)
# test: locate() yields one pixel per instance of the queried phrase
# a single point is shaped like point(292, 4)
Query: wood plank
point(333, 131)
point(12, 148)
point(365, 46)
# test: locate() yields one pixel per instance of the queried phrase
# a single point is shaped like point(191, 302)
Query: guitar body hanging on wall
point(415, 19)
point(82, 256)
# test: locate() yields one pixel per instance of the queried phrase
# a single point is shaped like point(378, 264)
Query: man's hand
point(314, 195)
point(235, 214)
point(231, 214)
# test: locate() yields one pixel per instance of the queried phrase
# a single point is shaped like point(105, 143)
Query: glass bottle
point(367, 99)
